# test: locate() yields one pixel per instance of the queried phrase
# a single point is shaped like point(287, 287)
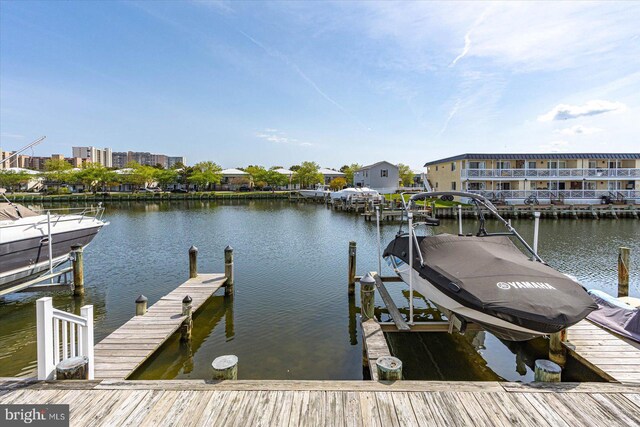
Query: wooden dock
point(607, 354)
point(332, 403)
point(126, 348)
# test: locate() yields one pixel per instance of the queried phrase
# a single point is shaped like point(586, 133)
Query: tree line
point(203, 175)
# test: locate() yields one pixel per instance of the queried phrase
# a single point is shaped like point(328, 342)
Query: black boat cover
point(491, 275)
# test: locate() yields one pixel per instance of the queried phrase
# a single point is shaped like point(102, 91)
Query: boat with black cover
point(484, 277)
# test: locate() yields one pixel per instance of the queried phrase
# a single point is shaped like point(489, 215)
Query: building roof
point(325, 171)
point(375, 164)
point(535, 156)
point(284, 171)
point(233, 172)
point(20, 170)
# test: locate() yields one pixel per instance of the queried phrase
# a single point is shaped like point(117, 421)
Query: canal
point(291, 317)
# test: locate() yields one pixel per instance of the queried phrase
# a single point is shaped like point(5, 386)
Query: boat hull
point(26, 258)
point(500, 328)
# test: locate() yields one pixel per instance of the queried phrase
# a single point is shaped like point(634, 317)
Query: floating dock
point(125, 349)
point(334, 403)
point(611, 357)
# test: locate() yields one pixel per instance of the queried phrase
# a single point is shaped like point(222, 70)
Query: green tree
point(12, 180)
point(165, 177)
point(91, 176)
point(406, 175)
point(58, 172)
point(307, 174)
point(349, 170)
point(337, 183)
point(259, 175)
point(276, 179)
point(205, 173)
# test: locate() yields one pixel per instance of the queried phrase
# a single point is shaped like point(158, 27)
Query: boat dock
point(332, 403)
point(126, 348)
point(118, 355)
point(611, 357)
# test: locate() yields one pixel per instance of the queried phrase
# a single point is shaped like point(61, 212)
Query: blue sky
point(279, 83)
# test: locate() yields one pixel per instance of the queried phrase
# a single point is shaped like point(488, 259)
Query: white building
point(94, 155)
point(330, 174)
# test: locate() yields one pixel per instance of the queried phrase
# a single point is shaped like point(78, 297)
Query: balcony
point(559, 194)
point(568, 174)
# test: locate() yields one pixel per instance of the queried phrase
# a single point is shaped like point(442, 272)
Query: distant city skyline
point(242, 83)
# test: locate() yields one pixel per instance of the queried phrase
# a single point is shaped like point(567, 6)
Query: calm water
point(290, 317)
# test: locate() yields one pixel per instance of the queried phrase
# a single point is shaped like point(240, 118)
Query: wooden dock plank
point(329, 403)
point(126, 348)
point(375, 345)
point(610, 356)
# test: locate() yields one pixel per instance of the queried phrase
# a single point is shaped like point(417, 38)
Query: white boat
point(32, 243)
point(349, 194)
point(319, 192)
point(486, 279)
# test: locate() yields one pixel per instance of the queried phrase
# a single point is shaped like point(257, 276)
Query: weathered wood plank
point(137, 339)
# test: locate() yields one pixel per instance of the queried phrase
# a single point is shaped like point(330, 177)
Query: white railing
point(61, 335)
point(554, 194)
point(550, 173)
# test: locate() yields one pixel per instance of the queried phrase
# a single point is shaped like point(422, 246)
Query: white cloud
point(590, 108)
point(278, 137)
point(555, 147)
point(577, 130)
point(523, 36)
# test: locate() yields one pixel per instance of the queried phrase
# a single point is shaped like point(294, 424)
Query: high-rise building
point(172, 160)
point(120, 159)
point(102, 156)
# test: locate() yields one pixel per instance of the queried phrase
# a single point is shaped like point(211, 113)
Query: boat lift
point(454, 322)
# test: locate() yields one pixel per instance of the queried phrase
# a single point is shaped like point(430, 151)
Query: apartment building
point(120, 159)
point(569, 177)
point(102, 156)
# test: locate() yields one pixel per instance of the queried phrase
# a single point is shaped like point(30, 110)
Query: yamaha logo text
point(524, 285)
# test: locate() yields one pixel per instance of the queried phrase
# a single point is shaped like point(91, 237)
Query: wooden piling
point(187, 324)
point(141, 305)
point(557, 352)
point(547, 371)
point(73, 368)
point(78, 269)
point(225, 367)
point(193, 262)
point(389, 368)
point(367, 296)
point(352, 268)
point(228, 270)
point(624, 255)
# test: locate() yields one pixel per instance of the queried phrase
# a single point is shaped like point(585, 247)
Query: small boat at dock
point(485, 278)
point(32, 243)
point(319, 192)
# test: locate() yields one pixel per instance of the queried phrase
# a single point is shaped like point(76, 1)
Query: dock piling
point(624, 255)
point(557, 352)
point(225, 367)
point(547, 371)
point(352, 268)
point(193, 262)
point(389, 368)
point(367, 296)
point(228, 270)
point(73, 368)
point(78, 269)
point(187, 324)
point(141, 305)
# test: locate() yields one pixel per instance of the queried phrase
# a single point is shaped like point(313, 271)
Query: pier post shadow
point(229, 331)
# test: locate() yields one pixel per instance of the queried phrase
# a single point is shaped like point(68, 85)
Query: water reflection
point(291, 316)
